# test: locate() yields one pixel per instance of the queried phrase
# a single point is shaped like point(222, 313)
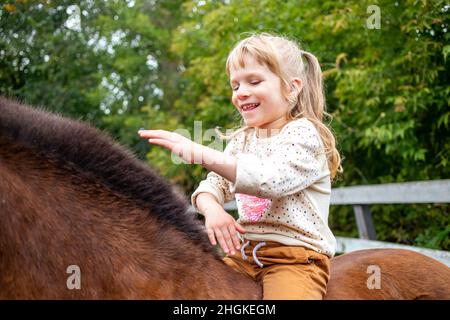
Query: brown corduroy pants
point(288, 272)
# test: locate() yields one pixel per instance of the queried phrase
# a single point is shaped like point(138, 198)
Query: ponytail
point(310, 104)
point(313, 94)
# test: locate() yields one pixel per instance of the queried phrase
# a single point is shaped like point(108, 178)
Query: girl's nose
point(242, 92)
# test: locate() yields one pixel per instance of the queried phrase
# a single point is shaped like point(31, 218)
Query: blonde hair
point(285, 59)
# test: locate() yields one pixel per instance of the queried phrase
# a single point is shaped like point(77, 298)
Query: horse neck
point(52, 217)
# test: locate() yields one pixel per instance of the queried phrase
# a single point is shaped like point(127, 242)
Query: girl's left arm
point(194, 153)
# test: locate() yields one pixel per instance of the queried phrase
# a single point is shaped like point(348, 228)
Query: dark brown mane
point(79, 146)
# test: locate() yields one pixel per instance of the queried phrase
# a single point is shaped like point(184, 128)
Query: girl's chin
point(250, 120)
point(251, 123)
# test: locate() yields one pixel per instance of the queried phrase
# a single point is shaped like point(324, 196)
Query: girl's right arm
point(220, 225)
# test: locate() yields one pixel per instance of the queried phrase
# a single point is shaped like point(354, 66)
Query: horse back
point(388, 274)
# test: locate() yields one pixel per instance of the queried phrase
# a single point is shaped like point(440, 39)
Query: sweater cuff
point(209, 188)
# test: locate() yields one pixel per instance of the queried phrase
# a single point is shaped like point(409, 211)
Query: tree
point(103, 62)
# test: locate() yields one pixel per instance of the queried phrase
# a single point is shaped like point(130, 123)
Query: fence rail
point(361, 197)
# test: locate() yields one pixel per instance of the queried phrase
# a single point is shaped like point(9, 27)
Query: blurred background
point(123, 65)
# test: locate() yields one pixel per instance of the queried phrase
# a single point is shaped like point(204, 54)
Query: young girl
point(278, 167)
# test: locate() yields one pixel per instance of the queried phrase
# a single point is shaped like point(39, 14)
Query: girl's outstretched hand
point(191, 152)
point(176, 143)
point(222, 228)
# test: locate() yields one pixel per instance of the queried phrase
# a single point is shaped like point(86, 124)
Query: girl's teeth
point(250, 106)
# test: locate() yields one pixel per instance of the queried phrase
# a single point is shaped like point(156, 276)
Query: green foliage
point(161, 64)
point(103, 62)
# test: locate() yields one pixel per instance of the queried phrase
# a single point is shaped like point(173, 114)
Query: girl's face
point(258, 95)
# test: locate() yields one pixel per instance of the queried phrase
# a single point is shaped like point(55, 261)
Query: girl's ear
point(296, 85)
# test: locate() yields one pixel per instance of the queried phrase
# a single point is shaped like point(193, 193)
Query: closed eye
point(253, 82)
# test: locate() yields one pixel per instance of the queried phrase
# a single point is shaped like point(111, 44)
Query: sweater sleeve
point(215, 184)
point(298, 162)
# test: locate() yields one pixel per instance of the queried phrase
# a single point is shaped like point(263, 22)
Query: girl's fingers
point(169, 140)
point(161, 142)
point(157, 134)
point(221, 240)
point(239, 228)
point(211, 236)
point(147, 133)
point(228, 240)
point(234, 236)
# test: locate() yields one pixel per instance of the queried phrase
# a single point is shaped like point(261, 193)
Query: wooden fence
point(361, 197)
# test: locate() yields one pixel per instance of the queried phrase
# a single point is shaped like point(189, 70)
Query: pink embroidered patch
point(252, 207)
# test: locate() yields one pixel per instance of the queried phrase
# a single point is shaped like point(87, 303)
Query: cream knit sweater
point(282, 187)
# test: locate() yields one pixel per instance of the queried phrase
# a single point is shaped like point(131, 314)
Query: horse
point(74, 200)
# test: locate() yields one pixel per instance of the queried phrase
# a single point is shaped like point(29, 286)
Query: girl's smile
point(248, 107)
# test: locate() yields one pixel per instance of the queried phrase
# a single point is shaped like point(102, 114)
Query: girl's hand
point(191, 152)
point(176, 143)
point(221, 227)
